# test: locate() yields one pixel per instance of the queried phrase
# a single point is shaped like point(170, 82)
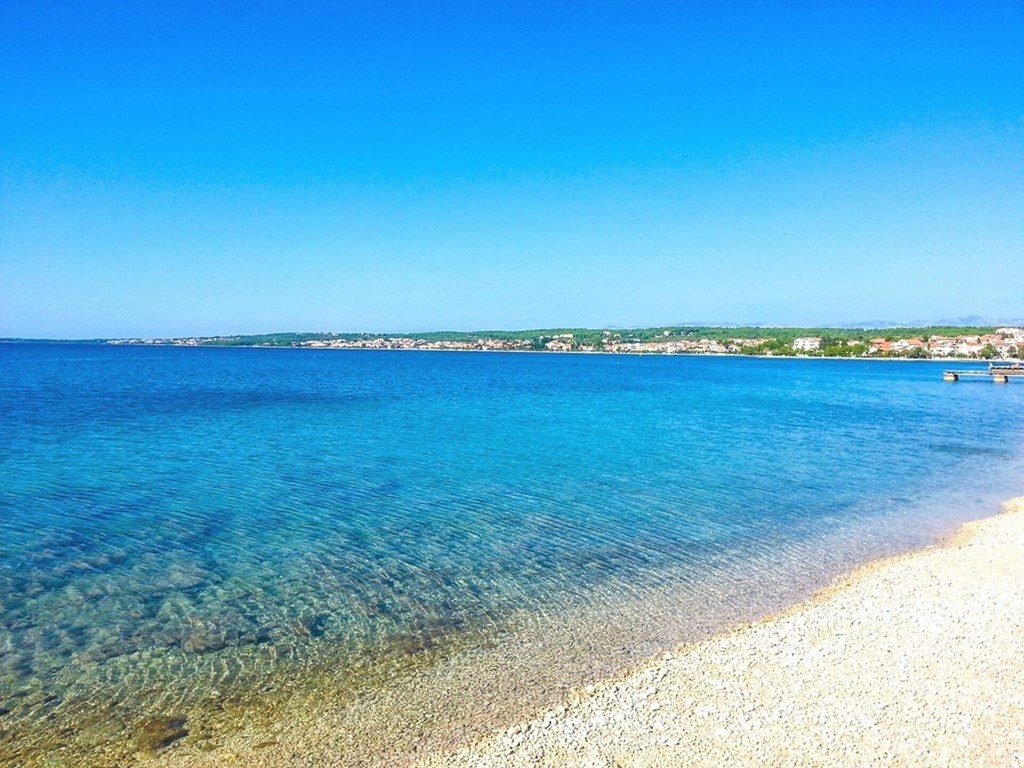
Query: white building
point(807, 344)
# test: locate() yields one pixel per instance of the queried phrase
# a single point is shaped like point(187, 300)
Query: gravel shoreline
point(912, 661)
point(916, 660)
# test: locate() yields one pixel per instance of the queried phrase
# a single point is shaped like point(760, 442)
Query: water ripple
point(208, 533)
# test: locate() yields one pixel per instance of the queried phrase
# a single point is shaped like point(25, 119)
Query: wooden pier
point(1000, 374)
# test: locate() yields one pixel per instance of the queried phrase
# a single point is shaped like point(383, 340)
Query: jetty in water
point(1000, 374)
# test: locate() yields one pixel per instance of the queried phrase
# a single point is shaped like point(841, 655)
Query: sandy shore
point(916, 661)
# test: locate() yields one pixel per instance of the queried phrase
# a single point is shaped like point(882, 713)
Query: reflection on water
point(193, 538)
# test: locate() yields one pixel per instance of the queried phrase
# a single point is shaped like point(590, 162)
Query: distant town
point(927, 342)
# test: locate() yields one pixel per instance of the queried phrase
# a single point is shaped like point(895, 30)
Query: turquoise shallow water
point(177, 525)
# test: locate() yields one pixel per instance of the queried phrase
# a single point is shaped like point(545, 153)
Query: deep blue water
point(161, 508)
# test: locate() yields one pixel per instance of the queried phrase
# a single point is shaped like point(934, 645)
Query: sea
point(197, 543)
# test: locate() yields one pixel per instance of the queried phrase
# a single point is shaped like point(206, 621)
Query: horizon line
point(867, 326)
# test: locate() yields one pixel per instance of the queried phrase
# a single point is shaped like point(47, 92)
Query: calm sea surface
point(180, 528)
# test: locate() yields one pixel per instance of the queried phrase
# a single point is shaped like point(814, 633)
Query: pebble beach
point(909, 661)
point(912, 661)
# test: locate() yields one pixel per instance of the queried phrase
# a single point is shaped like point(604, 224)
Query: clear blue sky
point(199, 168)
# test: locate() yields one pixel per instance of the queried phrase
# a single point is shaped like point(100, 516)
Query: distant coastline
point(924, 342)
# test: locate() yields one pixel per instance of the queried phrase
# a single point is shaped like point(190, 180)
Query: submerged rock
point(159, 732)
point(310, 625)
point(205, 642)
